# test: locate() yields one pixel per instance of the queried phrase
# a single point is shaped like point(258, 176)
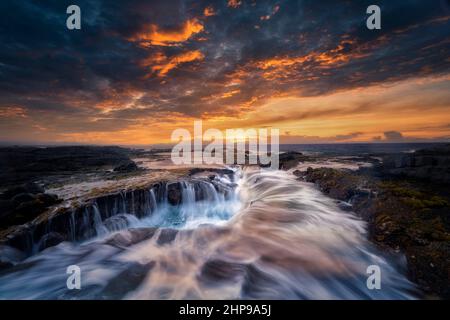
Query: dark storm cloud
point(167, 56)
point(348, 136)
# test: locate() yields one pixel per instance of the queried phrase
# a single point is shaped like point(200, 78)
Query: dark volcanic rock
point(134, 236)
point(430, 265)
point(48, 199)
point(401, 215)
point(167, 236)
point(128, 166)
point(5, 265)
point(427, 164)
point(6, 207)
point(27, 188)
point(195, 171)
point(24, 164)
point(339, 184)
point(50, 239)
point(174, 193)
point(286, 160)
point(9, 257)
point(23, 203)
point(23, 197)
point(126, 281)
point(289, 160)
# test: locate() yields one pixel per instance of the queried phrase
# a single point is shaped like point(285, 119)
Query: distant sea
point(358, 148)
point(337, 149)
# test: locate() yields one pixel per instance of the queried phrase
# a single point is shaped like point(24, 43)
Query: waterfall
point(153, 204)
point(124, 203)
point(99, 227)
point(200, 203)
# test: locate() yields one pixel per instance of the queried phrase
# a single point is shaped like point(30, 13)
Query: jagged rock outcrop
point(428, 164)
point(128, 166)
point(24, 164)
point(23, 203)
point(289, 160)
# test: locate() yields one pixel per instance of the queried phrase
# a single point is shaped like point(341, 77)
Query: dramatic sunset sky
point(139, 69)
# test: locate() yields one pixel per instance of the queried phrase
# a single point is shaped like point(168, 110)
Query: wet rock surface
point(174, 193)
point(428, 164)
point(78, 222)
point(289, 160)
point(23, 203)
point(128, 166)
point(128, 280)
point(213, 171)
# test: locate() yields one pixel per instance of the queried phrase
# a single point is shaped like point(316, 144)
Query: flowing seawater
point(274, 238)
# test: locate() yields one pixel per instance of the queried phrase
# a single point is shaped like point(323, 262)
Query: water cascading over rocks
point(105, 214)
point(284, 240)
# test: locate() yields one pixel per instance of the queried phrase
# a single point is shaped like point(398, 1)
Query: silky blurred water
point(276, 238)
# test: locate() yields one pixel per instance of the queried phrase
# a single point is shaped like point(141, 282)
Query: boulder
point(427, 164)
point(48, 199)
point(50, 239)
point(27, 188)
point(6, 207)
point(128, 166)
point(174, 196)
point(23, 197)
point(289, 160)
point(429, 267)
point(21, 207)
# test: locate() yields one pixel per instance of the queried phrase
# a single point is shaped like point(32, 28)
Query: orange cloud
point(154, 35)
point(224, 95)
point(280, 67)
point(209, 11)
point(234, 3)
point(278, 62)
point(229, 94)
point(337, 55)
point(13, 112)
point(117, 100)
point(162, 65)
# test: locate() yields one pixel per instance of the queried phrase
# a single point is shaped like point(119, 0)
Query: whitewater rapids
point(276, 238)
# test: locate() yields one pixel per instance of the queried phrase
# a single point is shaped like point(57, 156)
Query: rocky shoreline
point(76, 221)
point(404, 198)
point(405, 211)
point(57, 194)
